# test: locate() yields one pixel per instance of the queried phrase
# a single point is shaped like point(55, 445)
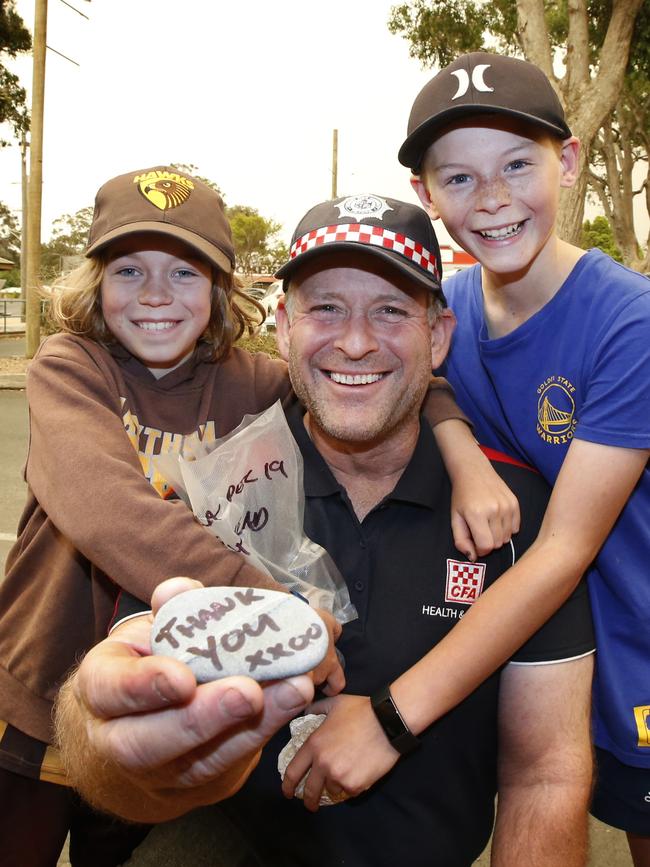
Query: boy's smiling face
point(156, 298)
point(495, 183)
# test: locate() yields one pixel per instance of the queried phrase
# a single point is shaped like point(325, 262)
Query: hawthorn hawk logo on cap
point(358, 207)
point(163, 189)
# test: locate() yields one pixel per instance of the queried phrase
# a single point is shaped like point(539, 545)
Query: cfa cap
point(398, 232)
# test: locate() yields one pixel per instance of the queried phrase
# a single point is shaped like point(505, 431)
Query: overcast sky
point(248, 91)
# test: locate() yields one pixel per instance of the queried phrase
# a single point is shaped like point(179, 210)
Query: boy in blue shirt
point(551, 360)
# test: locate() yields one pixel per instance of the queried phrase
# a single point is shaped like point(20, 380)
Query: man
point(362, 326)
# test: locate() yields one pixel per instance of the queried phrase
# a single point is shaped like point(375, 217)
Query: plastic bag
point(247, 489)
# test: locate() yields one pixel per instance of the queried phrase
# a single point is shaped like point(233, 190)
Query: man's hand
point(139, 738)
point(329, 674)
point(345, 756)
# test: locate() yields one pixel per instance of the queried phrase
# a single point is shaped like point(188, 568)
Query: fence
point(12, 315)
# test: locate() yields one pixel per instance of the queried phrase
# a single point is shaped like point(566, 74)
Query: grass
point(260, 343)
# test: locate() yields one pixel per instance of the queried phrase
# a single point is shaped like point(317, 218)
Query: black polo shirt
point(408, 583)
point(410, 586)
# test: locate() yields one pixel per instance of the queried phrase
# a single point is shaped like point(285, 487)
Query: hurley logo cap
point(168, 202)
point(397, 232)
point(481, 83)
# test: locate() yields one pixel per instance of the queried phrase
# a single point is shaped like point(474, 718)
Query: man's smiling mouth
point(355, 379)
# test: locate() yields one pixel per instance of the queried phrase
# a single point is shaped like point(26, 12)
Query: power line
point(65, 56)
point(83, 14)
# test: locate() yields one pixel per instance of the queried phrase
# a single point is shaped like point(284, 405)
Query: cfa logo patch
point(464, 581)
point(642, 718)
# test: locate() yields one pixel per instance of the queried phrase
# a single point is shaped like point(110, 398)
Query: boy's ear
point(569, 161)
point(282, 330)
point(423, 195)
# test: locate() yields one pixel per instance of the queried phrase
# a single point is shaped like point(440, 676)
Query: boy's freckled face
point(496, 190)
point(156, 298)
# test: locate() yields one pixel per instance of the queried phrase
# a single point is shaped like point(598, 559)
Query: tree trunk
point(587, 100)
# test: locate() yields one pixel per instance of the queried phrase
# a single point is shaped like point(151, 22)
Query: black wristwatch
point(390, 719)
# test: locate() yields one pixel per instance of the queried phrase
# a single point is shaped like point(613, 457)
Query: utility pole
point(23, 221)
point(33, 251)
point(335, 161)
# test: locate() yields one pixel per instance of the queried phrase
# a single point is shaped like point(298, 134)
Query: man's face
point(360, 347)
point(495, 184)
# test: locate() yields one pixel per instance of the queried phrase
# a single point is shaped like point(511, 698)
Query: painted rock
point(221, 631)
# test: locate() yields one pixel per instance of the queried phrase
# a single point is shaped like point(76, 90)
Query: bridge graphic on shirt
point(551, 418)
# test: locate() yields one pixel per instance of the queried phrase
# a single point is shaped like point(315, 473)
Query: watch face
point(395, 729)
point(390, 720)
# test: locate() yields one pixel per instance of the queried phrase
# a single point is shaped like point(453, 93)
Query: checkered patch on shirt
point(464, 581)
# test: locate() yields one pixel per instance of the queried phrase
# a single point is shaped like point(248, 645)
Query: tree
point(69, 240)
point(620, 153)
point(598, 233)
point(595, 36)
point(14, 39)
point(252, 236)
point(9, 245)
point(9, 235)
point(191, 169)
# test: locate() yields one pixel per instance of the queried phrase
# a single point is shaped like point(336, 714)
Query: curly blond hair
point(75, 307)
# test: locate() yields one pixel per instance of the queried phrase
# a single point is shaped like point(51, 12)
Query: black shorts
point(622, 794)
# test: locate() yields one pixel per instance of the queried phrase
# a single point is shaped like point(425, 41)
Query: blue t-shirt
point(580, 367)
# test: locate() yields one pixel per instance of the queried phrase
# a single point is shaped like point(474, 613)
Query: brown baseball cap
point(481, 83)
point(169, 202)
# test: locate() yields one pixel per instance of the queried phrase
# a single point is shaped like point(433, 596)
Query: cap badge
point(360, 207)
point(164, 189)
point(477, 80)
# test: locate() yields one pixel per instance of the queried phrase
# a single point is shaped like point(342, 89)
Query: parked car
point(267, 293)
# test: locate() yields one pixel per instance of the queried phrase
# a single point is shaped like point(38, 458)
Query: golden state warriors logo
point(556, 421)
point(165, 190)
point(642, 719)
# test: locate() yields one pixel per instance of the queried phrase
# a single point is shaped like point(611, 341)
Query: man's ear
point(282, 329)
point(441, 333)
point(570, 161)
point(423, 195)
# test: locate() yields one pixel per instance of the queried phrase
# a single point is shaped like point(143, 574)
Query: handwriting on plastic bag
point(253, 520)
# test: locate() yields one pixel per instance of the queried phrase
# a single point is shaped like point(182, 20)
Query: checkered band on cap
point(360, 233)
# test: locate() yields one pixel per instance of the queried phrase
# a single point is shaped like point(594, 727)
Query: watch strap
point(398, 733)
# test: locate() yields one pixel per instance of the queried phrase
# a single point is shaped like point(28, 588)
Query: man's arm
point(544, 765)
point(140, 739)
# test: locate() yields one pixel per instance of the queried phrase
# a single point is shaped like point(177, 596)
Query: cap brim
point(204, 248)
point(411, 152)
point(396, 262)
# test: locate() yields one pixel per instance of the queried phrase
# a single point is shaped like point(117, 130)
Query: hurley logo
point(477, 80)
